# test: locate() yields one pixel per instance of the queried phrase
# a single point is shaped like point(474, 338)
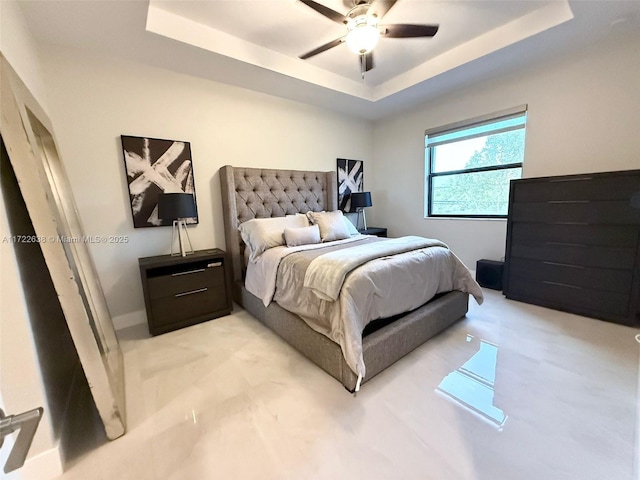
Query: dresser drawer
point(618, 187)
point(572, 298)
point(183, 306)
point(164, 283)
point(582, 255)
point(583, 212)
point(610, 235)
point(585, 277)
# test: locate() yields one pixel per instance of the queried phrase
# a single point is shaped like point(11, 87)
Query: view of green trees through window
point(469, 169)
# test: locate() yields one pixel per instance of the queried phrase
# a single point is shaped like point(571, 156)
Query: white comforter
point(380, 288)
point(261, 275)
point(327, 273)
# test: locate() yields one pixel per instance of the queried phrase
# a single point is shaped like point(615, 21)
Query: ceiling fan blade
point(404, 30)
point(381, 7)
point(366, 62)
point(326, 11)
point(322, 48)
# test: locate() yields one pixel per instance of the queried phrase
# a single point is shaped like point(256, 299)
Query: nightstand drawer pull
point(215, 264)
point(200, 290)
point(187, 273)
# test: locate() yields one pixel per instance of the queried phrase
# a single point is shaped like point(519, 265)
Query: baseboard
point(129, 319)
point(44, 466)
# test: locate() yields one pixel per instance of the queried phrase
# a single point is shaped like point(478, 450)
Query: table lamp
point(177, 207)
point(359, 201)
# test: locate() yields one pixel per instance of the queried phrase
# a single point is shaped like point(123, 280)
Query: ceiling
point(256, 43)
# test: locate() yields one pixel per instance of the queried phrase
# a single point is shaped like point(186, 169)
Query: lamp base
point(364, 218)
point(180, 231)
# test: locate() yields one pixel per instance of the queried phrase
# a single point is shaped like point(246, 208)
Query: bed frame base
point(380, 349)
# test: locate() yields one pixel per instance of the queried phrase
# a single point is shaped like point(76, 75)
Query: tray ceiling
point(273, 33)
point(255, 44)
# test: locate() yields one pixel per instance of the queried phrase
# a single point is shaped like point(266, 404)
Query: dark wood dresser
point(573, 244)
point(182, 291)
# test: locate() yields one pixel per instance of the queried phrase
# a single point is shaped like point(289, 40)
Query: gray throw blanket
point(327, 273)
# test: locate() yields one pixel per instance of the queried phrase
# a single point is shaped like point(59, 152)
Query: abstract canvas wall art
point(154, 166)
point(350, 179)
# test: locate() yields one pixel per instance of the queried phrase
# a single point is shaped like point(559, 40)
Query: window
point(470, 164)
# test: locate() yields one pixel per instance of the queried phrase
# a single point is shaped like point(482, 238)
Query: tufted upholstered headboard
point(261, 193)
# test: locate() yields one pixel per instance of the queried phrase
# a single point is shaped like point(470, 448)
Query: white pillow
point(352, 229)
point(332, 226)
point(260, 234)
point(302, 235)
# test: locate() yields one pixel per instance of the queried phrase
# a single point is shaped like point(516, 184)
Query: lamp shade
point(173, 206)
point(361, 199)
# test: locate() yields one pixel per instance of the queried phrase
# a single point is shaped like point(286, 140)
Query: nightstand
point(182, 291)
point(377, 231)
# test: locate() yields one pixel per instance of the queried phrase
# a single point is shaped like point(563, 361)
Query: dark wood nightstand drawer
point(182, 291)
point(196, 276)
point(189, 304)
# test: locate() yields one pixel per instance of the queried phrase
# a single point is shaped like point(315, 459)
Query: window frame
point(464, 125)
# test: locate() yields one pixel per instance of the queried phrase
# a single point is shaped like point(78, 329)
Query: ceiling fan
point(363, 30)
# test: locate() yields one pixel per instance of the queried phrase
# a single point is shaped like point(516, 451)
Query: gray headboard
point(261, 193)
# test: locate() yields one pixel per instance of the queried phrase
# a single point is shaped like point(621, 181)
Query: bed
point(249, 193)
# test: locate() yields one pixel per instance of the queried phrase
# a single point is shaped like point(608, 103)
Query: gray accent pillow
point(302, 235)
point(260, 234)
point(331, 224)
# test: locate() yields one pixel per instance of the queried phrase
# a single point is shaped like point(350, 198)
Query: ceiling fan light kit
point(363, 34)
point(363, 31)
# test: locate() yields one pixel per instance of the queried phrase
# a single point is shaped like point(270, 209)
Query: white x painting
point(350, 179)
point(155, 166)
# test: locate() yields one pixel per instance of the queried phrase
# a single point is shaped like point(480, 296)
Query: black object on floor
point(489, 273)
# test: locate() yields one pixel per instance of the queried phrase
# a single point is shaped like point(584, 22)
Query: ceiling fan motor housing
point(358, 10)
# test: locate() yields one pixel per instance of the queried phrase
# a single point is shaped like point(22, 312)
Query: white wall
point(93, 100)
point(21, 49)
point(584, 113)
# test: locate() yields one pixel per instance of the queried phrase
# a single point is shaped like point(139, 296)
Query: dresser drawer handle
point(582, 179)
point(562, 285)
point(200, 290)
point(569, 201)
point(567, 244)
point(215, 264)
point(177, 274)
point(563, 265)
